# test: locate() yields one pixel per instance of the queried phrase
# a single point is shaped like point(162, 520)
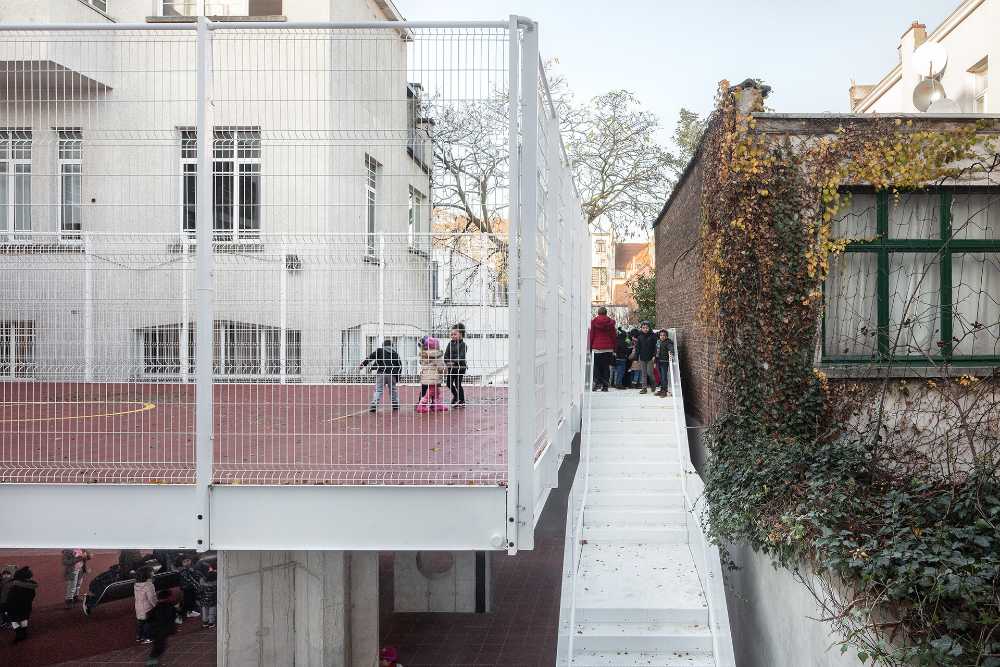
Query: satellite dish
point(930, 59)
point(944, 105)
point(927, 93)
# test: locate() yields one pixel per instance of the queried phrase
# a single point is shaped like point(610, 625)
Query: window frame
point(69, 158)
point(17, 368)
point(373, 170)
point(944, 247)
point(165, 362)
point(415, 211)
point(227, 148)
point(13, 142)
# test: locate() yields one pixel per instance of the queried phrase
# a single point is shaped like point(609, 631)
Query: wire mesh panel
point(360, 194)
point(88, 209)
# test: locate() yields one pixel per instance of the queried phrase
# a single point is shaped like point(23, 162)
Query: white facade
point(603, 252)
point(313, 140)
point(971, 38)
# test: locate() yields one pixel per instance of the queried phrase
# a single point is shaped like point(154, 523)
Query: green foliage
point(920, 555)
point(904, 540)
point(643, 288)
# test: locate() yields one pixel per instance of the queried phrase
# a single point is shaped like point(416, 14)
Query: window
point(980, 82)
point(436, 281)
point(235, 183)
point(15, 184)
point(919, 279)
point(240, 349)
point(598, 277)
point(17, 349)
point(70, 183)
point(372, 169)
point(221, 7)
point(416, 212)
point(599, 246)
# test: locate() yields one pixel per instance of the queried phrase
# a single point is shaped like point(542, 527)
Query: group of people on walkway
point(437, 366)
point(640, 357)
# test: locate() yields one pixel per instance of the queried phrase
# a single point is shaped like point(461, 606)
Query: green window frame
point(944, 247)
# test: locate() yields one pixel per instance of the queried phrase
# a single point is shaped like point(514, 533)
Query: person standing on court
point(602, 339)
point(454, 359)
point(387, 366)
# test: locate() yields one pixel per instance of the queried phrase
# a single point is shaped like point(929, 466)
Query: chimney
point(858, 93)
point(750, 95)
point(914, 36)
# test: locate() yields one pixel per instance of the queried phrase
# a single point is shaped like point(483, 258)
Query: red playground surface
point(88, 433)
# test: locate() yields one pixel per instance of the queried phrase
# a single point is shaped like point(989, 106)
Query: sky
point(673, 53)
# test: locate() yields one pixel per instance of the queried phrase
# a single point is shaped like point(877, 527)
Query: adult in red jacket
point(602, 343)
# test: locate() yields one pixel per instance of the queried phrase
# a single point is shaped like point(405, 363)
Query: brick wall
point(678, 294)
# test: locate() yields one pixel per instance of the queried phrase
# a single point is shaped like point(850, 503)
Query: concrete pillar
point(298, 608)
point(443, 581)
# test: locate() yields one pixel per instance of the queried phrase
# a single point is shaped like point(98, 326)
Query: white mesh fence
point(361, 183)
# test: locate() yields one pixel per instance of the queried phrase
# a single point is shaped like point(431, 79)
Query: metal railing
point(352, 173)
point(706, 555)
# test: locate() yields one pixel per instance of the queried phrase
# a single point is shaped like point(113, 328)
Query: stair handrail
point(574, 526)
point(692, 488)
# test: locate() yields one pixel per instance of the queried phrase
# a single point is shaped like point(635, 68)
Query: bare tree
point(624, 175)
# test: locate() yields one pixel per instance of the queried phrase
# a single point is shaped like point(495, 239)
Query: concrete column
point(443, 581)
point(298, 608)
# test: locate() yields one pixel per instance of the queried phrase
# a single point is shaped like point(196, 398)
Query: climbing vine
point(883, 494)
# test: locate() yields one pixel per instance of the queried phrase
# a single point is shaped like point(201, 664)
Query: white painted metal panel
point(357, 518)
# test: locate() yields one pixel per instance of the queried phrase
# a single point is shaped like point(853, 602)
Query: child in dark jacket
point(18, 597)
point(160, 625)
point(190, 585)
point(454, 359)
point(664, 350)
point(208, 598)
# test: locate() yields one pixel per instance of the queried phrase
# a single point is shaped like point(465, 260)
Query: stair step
point(625, 430)
point(640, 615)
point(662, 483)
point(625, 438)
point(604, 468)
point(655, 637)
point(659, 454)
point(646, 659)
point(633, 516)
point(620, 499)
point(661, 534)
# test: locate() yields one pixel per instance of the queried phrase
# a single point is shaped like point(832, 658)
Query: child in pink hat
point(432, 371)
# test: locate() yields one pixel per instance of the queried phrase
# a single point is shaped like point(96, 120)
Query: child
point(387, 365)
point(19, 596)
point(207, 598)
point(74, 568)
point(190, 584)
point(160, 624)
point(432, 370)
point(145, 599)
point(388, 656)
point(664, 350)
point(454, 358)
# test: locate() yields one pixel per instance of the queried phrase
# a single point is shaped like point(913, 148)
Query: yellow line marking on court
point(353, 414)
point(145, 407)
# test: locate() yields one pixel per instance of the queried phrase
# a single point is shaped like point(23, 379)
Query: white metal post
point(283, 316)
point(185, 315)
point(527, 225)
point(553, 279)
point(514, 370)
point(88, 309)
point(204, 289)
point(381, 289)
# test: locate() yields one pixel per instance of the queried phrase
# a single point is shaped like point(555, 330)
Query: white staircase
point(633, 593)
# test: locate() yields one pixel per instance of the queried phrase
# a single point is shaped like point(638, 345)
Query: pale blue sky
point(672, 53)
